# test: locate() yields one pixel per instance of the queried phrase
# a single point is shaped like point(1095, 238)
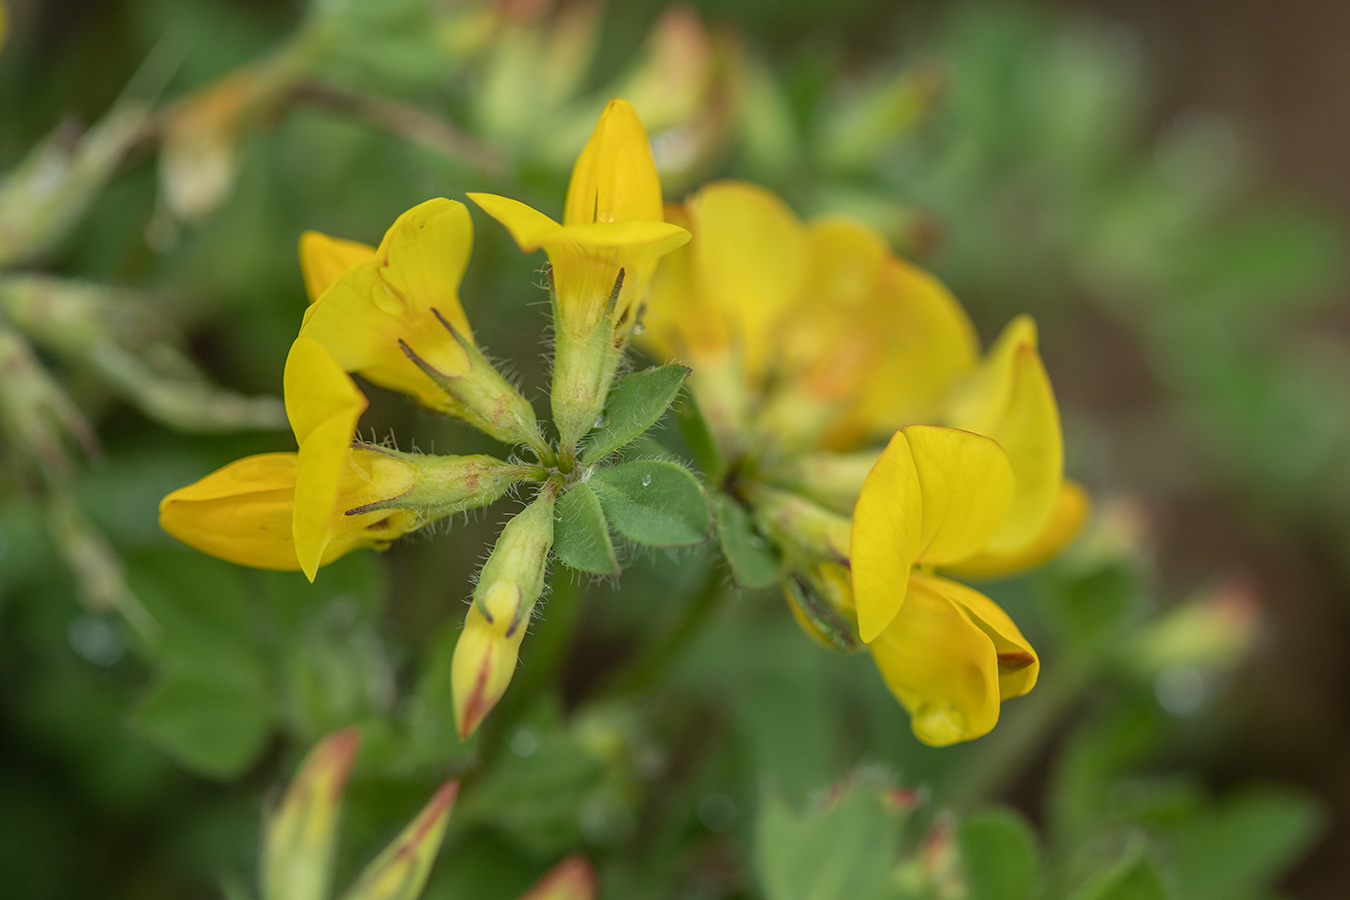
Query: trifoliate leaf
point(653, 502)
point(634, 405)
point(753, 560)
point(581, 535)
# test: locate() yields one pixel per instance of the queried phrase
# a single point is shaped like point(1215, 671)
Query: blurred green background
point(1163, 185)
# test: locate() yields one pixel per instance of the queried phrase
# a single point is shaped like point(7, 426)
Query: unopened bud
point(800, 525)
point(508, 588)
point(300, 832)
point(821, 600)
point(1206, 633)
point(831, 479)
point(400, 871)
point(571, 879)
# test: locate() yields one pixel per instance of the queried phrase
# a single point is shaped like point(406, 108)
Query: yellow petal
point(324, 258)
point(940, 665)
point(587, 258)
point(423, 257)
point(240, 513)
point(529, 227)
point(928, 344)
point(967, 487)
point(751, 258)
point(1072, 505)
point(244, 512)
point(1009, 398)
point(887, 523)
point(847, 259)
point(826, 340)
point(614, 179)
point(324, 405)
point(1018, 664)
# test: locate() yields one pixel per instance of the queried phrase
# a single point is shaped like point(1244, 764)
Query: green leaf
point(581, 535)
point(534, 794)
point(699, 437)
point(1239, 847)
point(846, 848)
point(634, 405)
point(1132, 878)
point(998, 854)
point(214, 723)
point(653, 502)
point(754, 561)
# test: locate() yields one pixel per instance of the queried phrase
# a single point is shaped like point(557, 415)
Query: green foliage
point(843, 847)
point(633, 406)
point(998, 855)
point(581, 534)
point(147, 756)
point(1134, 877)
point(754, 561)
point(653, 502)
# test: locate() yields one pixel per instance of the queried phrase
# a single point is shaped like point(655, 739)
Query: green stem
point(653, 662)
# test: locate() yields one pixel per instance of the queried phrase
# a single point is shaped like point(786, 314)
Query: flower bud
point(831, 479)
point(821, 600)
point(571, 879)
point(508, 587)
point(800, 525)
point(299, 834)
point(400, 871)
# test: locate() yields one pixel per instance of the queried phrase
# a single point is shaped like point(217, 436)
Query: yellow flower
point(393, 316)
point(371, 309)
point(323, 259)
point(290, 510)
point(303, 510)
point(850, 337)
point(943, 498)
point(612, 232)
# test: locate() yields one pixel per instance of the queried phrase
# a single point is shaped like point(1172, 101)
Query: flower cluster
point(392, 315)
point(811, 342)
point(807, 344)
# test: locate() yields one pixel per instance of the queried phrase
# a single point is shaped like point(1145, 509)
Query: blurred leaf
point(699, 437)
point(534, 791)
point(1236, 849)
point(1273, 260)
point(633, 406)
point(1132, 878)
point(653, 502)
point(998, 854)
point(581, 534)
point(843, 848)
point(754, 561)
point(214, 723)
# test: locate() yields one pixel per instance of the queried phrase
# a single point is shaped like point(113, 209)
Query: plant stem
point(653, 662)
